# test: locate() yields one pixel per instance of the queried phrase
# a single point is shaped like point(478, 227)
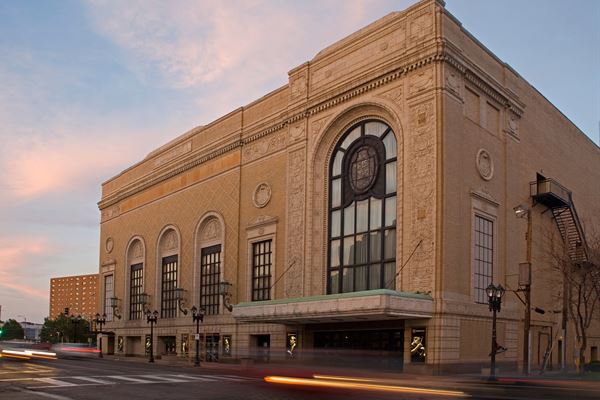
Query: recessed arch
point(319, 170)
point(209, 250)
point(135, 263)
point(168, 262)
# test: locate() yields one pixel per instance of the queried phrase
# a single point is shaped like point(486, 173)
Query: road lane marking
point(128, 378)
point(196, 378)
point(55, 382)
point(93, 380)
point(47, 395)
point(220, 377)
point(165, 378)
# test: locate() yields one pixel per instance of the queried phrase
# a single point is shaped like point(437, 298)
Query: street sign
point(197, 336)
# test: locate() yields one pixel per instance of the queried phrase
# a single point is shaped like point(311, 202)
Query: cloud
point(191, 43)
point(15, 269)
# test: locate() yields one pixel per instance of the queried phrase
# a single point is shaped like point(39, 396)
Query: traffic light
point(1, 331)
point(66, 311)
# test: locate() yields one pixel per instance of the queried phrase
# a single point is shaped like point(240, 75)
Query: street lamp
point(114, 304)
point(151, 318)
point(522, 211)
point(197, 317)
point(100, 321)
point(180, 297)
point(75, 321)
point(494, 294)
point(225, 291)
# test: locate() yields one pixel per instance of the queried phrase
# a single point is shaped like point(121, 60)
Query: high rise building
point(78, 294)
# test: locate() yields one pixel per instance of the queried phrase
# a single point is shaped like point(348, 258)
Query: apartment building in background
point(78, 293)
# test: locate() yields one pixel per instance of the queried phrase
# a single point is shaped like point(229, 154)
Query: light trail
point(348, 383)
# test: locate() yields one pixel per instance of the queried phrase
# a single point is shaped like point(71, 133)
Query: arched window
point(210, 237)
point(362, 210)
point(135, 287)
point(168, 270)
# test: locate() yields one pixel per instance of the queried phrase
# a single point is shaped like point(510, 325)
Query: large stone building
point(78, 293)
point(364, 206)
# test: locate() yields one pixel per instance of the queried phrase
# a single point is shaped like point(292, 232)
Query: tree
point(12, 330)
point(63, 329)
point(581, 289)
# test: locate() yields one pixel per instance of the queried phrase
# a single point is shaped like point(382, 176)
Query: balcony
point(550, 193)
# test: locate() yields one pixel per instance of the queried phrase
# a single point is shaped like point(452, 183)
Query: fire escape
point(560, 202)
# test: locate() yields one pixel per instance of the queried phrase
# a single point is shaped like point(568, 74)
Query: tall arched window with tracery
point(362, 210)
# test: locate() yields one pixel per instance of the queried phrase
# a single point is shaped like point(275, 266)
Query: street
point(116, 379)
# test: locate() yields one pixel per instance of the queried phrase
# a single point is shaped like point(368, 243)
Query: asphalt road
point(110, 379)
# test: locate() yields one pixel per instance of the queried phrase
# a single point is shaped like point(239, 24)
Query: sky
point(88, 88)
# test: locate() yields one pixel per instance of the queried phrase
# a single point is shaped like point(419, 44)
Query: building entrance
point(364, 348)
point(212, 348)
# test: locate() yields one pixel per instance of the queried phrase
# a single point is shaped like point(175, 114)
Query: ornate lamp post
point(494, 294)
point(100, 322)
point(151, 318)
point(225, 291)
point(197, 317)
point(114, 304)
point(180, 297)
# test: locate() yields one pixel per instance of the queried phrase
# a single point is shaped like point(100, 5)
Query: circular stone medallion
point(485, 164)
point(109, 245)
point(262, 195)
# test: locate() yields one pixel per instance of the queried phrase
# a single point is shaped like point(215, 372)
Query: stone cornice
point(440, 54)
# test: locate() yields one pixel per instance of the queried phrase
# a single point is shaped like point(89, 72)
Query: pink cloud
point(14, 265)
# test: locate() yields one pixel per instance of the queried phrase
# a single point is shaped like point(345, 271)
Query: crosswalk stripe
point(128, 378)
point(164, 378)
point(54, 382)
point(197, 378)
point(244, 378)
point(220, 377)
point(93, 380)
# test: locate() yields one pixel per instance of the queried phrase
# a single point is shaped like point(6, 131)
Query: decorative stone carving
point(262, 195)
point(453, 81)
point(109, 245)
point(485, 164)
point(295, 221)
point(137, 250)
point(512, 123)
point(394, 95)
point(297, 132)
point(420, 25)
point(318, 125)
point(211, 230)
point(421, 80)
point(267, 145)
point(169, 241)
point(421, 173)
point(298, 86)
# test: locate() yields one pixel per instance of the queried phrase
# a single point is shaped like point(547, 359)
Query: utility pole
point(527, 322)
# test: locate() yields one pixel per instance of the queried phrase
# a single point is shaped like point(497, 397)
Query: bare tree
point(581, 288)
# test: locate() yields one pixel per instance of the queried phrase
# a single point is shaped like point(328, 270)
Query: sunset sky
point(87, 88)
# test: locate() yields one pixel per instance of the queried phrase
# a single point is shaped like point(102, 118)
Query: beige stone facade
point(78, 293)
point(470, 136)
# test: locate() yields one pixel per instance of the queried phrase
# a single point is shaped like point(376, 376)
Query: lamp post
point(225, 291)
point(100, 321)
point(75, 321)
point(114, 304)
point(151, 318)
point(522, 211)
point(494, 294)
point(197, 317)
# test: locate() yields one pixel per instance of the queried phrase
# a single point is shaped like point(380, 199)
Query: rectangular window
point(168, 285)
point(136, 283)
point(210, 258)
point(483, 256)
point(261, 270)
point(108, 294)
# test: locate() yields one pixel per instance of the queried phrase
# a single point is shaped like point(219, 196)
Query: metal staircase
point(560, 201)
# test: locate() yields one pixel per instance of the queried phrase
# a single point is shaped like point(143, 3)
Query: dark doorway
point(261, 347)
point(212, 348)
point(383, 349)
